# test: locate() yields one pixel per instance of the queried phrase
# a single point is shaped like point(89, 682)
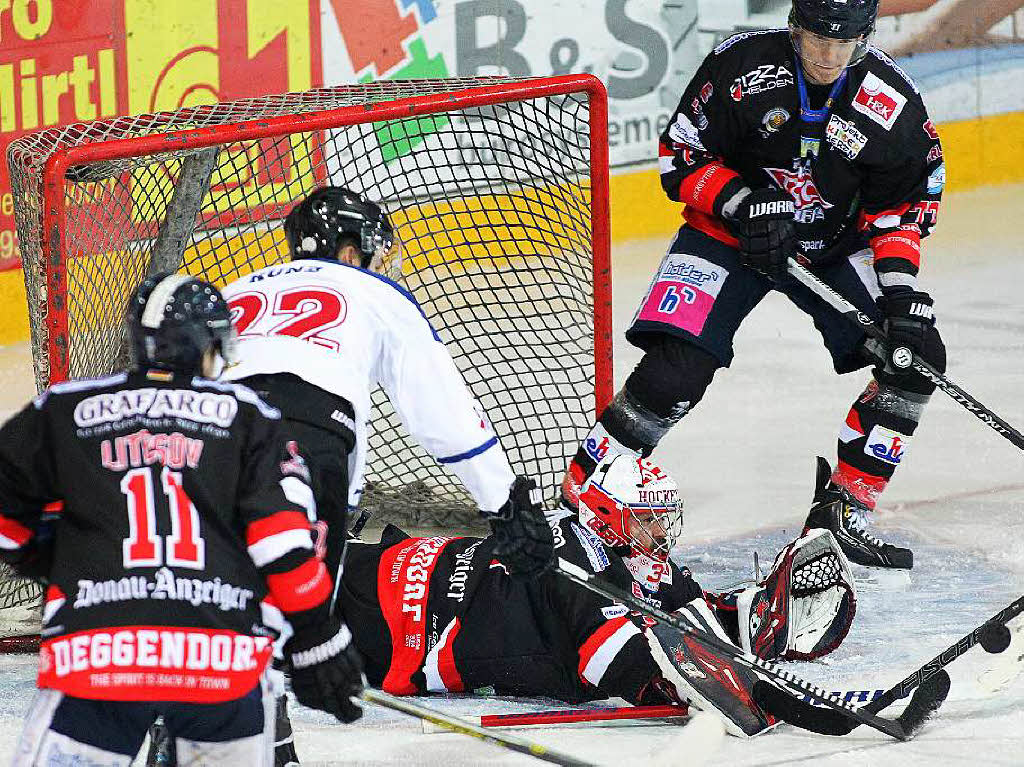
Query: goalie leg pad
point(805, 607)
point(704, 678)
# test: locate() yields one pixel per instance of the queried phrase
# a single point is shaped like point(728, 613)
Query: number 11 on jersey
point(184, 547)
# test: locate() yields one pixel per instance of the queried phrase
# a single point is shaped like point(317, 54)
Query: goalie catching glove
point(805, 606)
point(523, 539)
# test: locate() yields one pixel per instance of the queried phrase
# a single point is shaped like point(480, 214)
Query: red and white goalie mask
point(632, 504)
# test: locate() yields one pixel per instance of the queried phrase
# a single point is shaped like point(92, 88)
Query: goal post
point(497, 186)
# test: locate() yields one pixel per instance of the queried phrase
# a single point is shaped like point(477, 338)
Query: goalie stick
point(873, 331)
point(780, 700)
point(933, 669)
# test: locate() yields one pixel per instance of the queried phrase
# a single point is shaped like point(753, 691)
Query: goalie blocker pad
point(805, 607)
point(702, 677)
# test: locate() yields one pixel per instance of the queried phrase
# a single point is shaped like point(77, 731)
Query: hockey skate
point(835, 509)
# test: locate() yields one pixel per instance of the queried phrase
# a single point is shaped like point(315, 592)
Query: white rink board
point(744, 459)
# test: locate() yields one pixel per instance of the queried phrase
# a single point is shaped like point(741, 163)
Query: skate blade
point(880, 578)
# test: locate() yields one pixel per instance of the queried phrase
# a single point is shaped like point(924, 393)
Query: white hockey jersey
point(347, 330)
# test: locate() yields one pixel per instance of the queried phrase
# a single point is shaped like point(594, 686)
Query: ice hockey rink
point(745, 461)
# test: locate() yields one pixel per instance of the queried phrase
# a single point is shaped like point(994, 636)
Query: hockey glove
point(326, 669)
point(909, 319)
point(764, 225)
point(523, 539)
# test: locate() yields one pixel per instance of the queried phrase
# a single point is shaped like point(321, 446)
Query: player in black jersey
point(806, 143)
point(183, 530)
point(441, 614)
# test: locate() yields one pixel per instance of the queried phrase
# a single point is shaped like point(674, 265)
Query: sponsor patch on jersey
point(937, 180)
point(592, 547)
point(706, 90)
point(683, 293)
point(935, 153)
point(683, 131)
point(886, 445)
point(879, 101)
point(614, 611)
point(187, 404)
point(767, 77)
point(931, 130)
point(799, 182)
point(844, 136)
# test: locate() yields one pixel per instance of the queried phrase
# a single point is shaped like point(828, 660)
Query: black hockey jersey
point(454, 620)
point(860, 158)
point(181, 504)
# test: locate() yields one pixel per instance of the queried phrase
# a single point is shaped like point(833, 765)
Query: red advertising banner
point(67, 61)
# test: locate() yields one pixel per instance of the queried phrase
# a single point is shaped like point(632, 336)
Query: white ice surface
point(744, 458)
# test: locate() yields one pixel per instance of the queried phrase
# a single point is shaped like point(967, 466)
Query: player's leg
point(879, 425)
point(234, 732)
point(685, 325)
point(60, 729)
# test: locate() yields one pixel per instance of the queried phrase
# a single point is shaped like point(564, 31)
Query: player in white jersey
point(317, 335)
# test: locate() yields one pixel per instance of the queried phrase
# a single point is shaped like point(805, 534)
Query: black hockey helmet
point(319, 225)
point(174, 318)
point(836, 19)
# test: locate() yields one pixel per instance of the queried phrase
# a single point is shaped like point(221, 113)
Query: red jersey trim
point(710, 225)
point(13, 535)
point(278, 522)
point(903, 243)
point(403, 587)
point(702, 186)
point(305, 587)
point(600, 649)
point(154, 663)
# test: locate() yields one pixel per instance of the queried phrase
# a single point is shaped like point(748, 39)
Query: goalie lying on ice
point(441, 614)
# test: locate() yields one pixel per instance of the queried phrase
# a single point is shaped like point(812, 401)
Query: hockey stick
point(833, 725)
point(455, 724)
point(795, 711)
point(902, 357)
point(904, 687)
point(558, 716)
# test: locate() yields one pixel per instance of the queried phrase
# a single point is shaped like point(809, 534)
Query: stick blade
point(800, 713)
point(925, 701)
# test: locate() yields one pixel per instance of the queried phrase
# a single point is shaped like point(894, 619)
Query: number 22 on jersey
point(184, 547)
point(301, 312)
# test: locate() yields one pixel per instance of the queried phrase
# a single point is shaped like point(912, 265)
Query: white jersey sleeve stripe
point(266, 550)
point(470, 453)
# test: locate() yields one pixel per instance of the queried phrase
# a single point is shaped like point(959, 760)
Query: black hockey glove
point(326, 669)
point(523, 539)
point(908, 322)
point(764, 225)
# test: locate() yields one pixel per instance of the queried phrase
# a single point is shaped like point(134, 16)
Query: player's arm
point(703, 128)
point(276, 505)
point(900, 201)
point(691, 147)
point(27, 486)
point(436, 407)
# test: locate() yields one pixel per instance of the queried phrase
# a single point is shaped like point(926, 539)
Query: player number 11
point(184, 547)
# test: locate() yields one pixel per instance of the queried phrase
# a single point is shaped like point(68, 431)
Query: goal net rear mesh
point(497, 188)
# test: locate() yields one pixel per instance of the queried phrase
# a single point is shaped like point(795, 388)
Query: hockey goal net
point(498, 188)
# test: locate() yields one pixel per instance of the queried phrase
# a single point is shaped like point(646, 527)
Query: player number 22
point(184, 547)
point(301, 312)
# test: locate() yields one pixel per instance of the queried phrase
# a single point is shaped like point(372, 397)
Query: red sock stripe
point(303, 588)
point(865, 487)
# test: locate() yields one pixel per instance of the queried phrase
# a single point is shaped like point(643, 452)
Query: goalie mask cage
point(497, 186)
